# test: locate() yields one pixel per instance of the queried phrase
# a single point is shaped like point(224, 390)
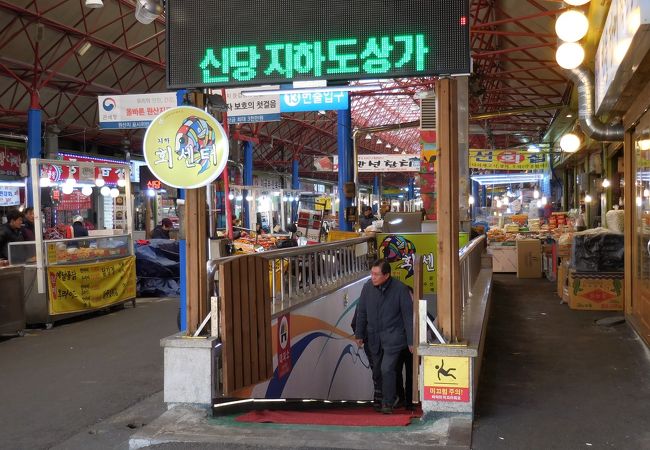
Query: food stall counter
point(81, 275)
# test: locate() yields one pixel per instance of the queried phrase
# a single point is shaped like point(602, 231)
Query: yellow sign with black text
point(446, 378)
point(507, 160)
point(84, 287)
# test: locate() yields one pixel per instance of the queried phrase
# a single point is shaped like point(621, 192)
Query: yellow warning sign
point(446, 378)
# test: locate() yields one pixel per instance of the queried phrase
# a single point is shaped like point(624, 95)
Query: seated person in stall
point(11, 232)
point(28, 224)
point(78, 227)
point(162, 231)
point(367, 217)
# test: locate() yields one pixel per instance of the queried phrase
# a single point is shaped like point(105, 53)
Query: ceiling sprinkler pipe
point(592, 127)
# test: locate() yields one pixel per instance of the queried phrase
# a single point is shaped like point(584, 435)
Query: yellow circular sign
point(185, 147)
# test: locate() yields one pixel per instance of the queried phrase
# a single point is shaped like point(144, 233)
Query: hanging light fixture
point(115, 192)
point(87, 191)
point(121, 182)
point(571, 26)
point(67, 188)
point(536, 193)
point(471, 200)
point(606, 183)
point(570, 143)
point(576, 2)
point(99, 181)
point(569, 55)
point(106, 191)
point(588, 198)
point(544, 200)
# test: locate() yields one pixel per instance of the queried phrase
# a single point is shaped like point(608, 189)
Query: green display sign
point(228, 43)
point(399, 250)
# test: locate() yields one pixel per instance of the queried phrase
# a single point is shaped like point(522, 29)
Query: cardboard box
point(603, 291)
point(504, 258)
point(529, 258)
point(562, 276)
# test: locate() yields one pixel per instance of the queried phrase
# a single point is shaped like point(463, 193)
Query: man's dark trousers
point(385, 367)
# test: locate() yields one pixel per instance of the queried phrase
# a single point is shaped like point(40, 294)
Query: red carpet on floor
point(352, 417)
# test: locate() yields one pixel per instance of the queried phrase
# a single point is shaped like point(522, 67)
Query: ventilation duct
point(589, 124)
point(428, 114)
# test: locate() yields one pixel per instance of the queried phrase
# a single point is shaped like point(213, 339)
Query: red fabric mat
point(353, 417)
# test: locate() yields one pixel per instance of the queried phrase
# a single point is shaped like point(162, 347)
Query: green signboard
point(255, 42)
point(399, 250)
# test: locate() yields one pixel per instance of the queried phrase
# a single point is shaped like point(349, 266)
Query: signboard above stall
point(185, 148)
point(253, 42)
point(134, 110)
point(10, 159)
point(372, 163)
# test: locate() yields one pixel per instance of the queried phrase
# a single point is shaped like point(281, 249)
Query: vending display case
point(81, 275)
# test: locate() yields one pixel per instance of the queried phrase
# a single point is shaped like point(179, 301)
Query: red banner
point(10, 159)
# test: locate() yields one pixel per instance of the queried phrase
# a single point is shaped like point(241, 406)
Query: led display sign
point(254, 42)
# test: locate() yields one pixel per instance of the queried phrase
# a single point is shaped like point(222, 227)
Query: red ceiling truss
point(512, 44)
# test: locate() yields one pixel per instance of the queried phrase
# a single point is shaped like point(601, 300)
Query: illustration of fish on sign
point(195, 143)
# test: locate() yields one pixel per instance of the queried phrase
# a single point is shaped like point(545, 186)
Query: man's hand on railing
point(359, 342)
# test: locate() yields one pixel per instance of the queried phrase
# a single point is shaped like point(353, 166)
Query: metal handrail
point(464, 252)
point(295, 251)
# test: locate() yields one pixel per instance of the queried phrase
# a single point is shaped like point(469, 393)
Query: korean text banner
point(400, 250)
point(373, 163)
point(9, 195)
point(133, 111)
point(246, 109)
point(74, 288)
point(507, 160)
point(185, 147)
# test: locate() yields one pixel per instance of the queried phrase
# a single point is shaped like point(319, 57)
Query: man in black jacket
point(162, 231)
point(385, 319)
point(11, 232)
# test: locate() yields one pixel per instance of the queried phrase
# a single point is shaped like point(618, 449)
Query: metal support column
point(33, 141)
point(345, 163)
point(375, 195)
point(411, 189)
point(295, 184)
point(248, 181)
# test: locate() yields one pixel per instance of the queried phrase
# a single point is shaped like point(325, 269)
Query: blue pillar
point(295, 184)
point(248, 180)
point(346, 169)
point(183, 274)
point(484, 196)
point(411, 189)
point(375, 193)
point(475, 194)
point(33, 143)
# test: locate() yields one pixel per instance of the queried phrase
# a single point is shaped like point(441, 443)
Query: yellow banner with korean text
point(507, 160)
point(84, 287)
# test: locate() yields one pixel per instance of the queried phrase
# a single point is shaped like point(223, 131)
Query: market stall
point(67, 274)
point(83, 275)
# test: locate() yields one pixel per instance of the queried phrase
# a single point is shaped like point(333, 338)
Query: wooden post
point(448, 277)
point(147, 216)
point(197, 277)
point(630, 222)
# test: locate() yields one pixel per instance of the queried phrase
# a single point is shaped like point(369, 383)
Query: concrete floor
point(55, 384)
point(553, 379)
